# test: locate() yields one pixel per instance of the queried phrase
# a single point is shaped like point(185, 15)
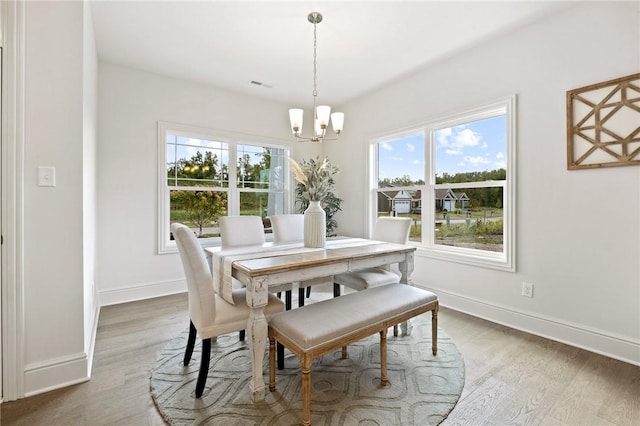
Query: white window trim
point(165, 245)
point(502, 261)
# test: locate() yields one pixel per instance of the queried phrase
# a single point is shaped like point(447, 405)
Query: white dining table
point(262, 269)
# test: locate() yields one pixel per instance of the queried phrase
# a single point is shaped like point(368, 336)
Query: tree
point(196, 170)
point(405, 180)
point(201, 207)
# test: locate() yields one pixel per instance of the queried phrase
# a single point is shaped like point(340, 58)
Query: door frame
point(13, 15)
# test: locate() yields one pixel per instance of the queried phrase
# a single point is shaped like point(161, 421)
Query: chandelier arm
point(315, 139)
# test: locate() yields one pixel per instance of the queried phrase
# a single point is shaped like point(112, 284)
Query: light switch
point(46, 176)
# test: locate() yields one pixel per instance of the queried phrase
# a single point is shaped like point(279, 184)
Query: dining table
point(266, 268)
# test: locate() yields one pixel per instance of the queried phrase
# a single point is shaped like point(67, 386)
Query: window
point(454, 178)
point(205, 174)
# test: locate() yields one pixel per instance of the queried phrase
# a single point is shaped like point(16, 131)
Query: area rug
point(422, 389)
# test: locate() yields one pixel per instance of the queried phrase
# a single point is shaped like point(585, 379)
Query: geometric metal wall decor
point(603, 124)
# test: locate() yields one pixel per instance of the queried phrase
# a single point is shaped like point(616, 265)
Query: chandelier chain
point(315, 63)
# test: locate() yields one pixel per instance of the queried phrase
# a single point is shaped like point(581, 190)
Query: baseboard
point(604, 343)
point(141, 292)
point(55, 373)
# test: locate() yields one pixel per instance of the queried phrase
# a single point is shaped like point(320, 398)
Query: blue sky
point(474, 146)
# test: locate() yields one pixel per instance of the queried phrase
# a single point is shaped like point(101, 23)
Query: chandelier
point(321, 113)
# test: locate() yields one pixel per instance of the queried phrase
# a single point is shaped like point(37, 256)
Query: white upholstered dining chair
point(245, 231)
point(209, 314)
point(387, 229)
point(288, 228)
point(237, 231)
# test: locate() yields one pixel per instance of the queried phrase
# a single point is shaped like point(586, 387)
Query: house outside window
point(205, 174)
point(455, 178)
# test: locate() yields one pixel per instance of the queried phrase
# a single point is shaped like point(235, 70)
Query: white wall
point(582, 259)
point(54, 217)
point(131, 103)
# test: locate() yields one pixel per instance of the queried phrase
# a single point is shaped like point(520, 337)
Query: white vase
point(315, 225)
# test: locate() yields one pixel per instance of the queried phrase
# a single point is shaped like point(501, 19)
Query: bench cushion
point(365, 278)
point(330, 320)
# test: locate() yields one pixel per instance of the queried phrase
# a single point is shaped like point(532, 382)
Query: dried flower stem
point(316, 176)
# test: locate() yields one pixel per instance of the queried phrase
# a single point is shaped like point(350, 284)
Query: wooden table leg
point(406, 269)
point(257, 297)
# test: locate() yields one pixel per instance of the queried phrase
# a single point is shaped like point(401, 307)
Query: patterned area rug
point(422, 388)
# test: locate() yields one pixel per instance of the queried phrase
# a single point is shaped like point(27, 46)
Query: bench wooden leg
point(383, 357)
point(272, 364)
point(434, 330)
point(306, 390)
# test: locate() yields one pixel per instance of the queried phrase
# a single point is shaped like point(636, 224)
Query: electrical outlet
point(527, 289)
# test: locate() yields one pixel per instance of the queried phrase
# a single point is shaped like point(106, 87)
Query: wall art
point(603, 124)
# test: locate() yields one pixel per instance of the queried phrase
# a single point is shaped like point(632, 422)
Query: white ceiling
point(361, 45)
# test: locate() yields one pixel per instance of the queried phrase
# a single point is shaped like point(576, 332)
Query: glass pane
point(403, 204)
point(470, 218)
point(471, 152)
point(401, 161)
point(197, 162)
point(253, 166)
point(257, 203)
point(198, 210)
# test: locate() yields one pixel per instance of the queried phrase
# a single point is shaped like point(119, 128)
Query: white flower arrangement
point(316, 176)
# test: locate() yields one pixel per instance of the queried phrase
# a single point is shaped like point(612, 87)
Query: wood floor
point(512, 378)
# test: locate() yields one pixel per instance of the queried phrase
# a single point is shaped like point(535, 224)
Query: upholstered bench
point(324, 326)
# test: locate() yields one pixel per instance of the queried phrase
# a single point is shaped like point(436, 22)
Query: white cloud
point(500, 155)
point(456, 139)
point(386, 146)
point(476, 160)
point(467, 137)
point(443, 136)
point(411, 147)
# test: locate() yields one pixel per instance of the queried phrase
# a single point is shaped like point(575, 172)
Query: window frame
point(233, 190)
point(504, 260)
